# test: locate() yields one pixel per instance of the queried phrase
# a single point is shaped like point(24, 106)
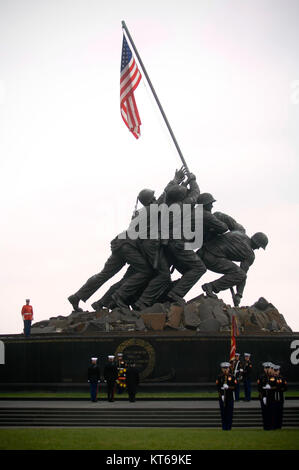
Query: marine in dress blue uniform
point(281, 384)
point(267, 385)
point(93, 378)
point(110, 376)
point(246, 374)
point(236, 370)
point(226, 384)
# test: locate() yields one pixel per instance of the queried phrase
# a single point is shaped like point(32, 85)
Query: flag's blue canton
point(126, 55)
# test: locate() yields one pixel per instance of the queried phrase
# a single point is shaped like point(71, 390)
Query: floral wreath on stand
point(121, 380)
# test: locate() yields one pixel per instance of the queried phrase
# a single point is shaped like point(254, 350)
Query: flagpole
point(124, 26)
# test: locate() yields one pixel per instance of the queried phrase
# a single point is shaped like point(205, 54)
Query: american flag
point(129, 80)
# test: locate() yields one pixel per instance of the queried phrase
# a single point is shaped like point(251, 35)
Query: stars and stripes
point(129, 80)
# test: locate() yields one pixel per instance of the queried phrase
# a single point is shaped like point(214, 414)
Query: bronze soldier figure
point(219, 255)
point(185, 261)
point(122, 251)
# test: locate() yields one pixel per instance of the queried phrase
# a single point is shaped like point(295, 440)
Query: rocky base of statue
point(202, 314)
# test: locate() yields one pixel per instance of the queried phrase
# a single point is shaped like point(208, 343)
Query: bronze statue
point(150, 254)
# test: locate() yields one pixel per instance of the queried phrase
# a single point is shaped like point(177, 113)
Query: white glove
point(225, 386)
point(265, 401)
point(241, 370)
point(222, 396)
point(267, 387)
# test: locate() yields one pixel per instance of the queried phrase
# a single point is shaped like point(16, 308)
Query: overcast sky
point(227, 75)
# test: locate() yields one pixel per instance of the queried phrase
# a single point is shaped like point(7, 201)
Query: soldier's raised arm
point(193, 191)
point(178, 179)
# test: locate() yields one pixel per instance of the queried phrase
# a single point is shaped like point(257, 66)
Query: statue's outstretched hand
point(180, 175)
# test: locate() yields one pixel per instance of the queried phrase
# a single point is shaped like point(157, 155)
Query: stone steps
point(197, 418)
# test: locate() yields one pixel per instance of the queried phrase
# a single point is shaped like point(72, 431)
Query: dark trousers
point(110, 389)
point(152, 288)
point(93, 386)
point(247, 388)
point(237, 392)
point(268, 415)
point(132, 394)
point(227, 411)
point(27, 328)
point(125, 254)
point(106, 299)
point(188, 263)
point(233, 274)
point(278, 417)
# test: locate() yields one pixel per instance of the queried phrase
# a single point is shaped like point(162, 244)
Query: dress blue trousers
point(93, 390)
point(226, 410)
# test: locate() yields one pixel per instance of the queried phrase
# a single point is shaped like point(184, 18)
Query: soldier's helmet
point(176, 193)
point(146, 196)
point(260, 239)
point(205, 198)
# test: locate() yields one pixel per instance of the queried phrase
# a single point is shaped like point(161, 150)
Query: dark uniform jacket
point(247, 369)
point(282, 387)
point(236, 367)
point(110, 372)
point(231, 382)
point(264, 380)
point(132, 378)
point(93, 373)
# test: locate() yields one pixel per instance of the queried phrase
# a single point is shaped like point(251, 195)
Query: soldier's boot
point(111, 305)
point(176, 298)
point(139, 306)
point(74, 300)
point(97, 306)
point(207, 288)
point(119, 301)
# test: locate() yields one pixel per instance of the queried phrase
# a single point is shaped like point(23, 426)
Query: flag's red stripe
point(131, 114)
point(129, 80)
point(130, 85)
point(128, 113)
point(128, 76)
point(135, 109)
point(125, 73)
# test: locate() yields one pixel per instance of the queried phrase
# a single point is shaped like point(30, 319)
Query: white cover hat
point(225, 364)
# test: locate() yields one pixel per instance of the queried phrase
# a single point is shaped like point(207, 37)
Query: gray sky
point(227, 74)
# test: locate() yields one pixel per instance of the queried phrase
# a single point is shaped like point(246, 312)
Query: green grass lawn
point(147, 439)
point(74, 395)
